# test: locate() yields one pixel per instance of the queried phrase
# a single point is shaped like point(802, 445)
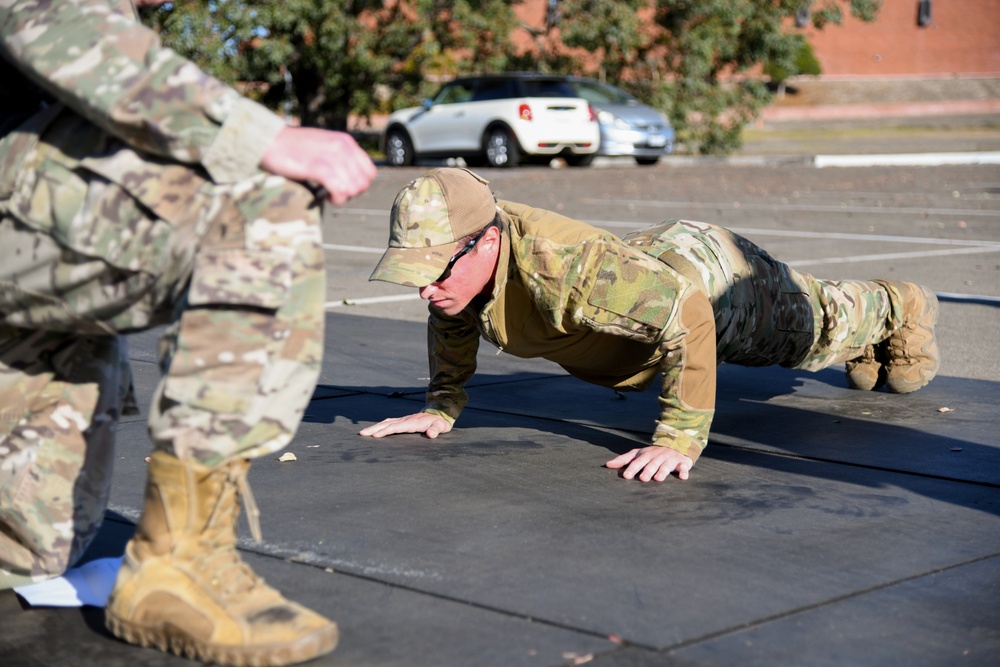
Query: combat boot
point(183, 587)
point(867, 372)
point(911, 356)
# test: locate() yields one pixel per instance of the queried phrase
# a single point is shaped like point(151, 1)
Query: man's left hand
point(652, 464)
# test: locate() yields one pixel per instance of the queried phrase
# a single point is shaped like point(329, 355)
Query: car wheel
point(647, 161)
point(579, 160)
point(398, 149)
point(501, 148)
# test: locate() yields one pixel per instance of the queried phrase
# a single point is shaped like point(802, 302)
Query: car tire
point(647, 161)
point(501, 149)
point(580, 160)
point(398, 148)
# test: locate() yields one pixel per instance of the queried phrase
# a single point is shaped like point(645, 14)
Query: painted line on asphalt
point(968, 247)
point(846, 236)
point(354, 248)
point(906, 159)
point(372, 299)
point(890, 255)
point(943, 296)
point(792, 208)
point(969, 298)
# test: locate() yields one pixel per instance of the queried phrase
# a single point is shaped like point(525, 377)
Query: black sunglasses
point(466, 249)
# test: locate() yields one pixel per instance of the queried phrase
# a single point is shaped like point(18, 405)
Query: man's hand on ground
point(652, 463)
point(330, 159)
point(422, 422)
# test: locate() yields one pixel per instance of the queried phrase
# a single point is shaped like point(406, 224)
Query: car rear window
point(547, 88)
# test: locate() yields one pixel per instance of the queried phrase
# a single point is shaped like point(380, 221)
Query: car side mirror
point(427, 104)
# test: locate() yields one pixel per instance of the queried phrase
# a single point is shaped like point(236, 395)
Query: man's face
point(470, 276)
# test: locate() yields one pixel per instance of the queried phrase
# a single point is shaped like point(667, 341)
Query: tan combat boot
point(183, 587)
point(911, 356)
point(867, 372)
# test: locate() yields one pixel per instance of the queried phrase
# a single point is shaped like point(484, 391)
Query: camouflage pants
point(89, 253)
point(766, 312)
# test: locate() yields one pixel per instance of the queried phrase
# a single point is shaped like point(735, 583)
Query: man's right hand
point(422, 422)
point(325, 157)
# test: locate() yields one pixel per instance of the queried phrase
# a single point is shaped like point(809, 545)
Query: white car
point(498, 120)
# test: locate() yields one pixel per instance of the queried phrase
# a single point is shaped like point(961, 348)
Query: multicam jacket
point(93, 59)
point(608, 314)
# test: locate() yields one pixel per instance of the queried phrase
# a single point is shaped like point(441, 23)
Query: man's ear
point(491, 239)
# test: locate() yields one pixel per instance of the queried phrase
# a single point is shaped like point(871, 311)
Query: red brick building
point(957, 37)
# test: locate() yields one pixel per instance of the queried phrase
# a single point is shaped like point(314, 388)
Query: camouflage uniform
point(672, 300)
point(130, 197)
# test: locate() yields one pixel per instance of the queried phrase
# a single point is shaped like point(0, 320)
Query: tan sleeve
point(687, 396)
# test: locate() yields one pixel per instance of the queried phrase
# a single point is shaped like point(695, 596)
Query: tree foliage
point(319, 59)
point(698, 60)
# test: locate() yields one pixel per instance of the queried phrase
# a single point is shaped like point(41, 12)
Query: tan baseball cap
point(429, 216)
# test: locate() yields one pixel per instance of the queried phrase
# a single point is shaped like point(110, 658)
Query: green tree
point(329, 58)
point(697, 59)
point(459, 37)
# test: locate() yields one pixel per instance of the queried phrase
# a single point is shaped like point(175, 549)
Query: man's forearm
point(687, 395)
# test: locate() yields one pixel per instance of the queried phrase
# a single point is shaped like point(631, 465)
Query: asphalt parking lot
point(822, 526)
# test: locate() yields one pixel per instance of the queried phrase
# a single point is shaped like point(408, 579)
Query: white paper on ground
point(89, 584)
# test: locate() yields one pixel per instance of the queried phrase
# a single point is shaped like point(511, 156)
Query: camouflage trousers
point(96, 249)
point(766, 312)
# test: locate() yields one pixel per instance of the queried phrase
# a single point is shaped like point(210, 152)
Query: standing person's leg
point(241, 363)
point(60, 395)
point(118, 237)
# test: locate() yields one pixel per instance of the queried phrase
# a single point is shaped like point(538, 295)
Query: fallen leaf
point(615, 638)
point(945, 410)
point(287, 456)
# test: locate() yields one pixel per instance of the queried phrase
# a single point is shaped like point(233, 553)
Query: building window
point(924, 13)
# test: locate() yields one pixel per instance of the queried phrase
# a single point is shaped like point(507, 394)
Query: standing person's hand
point(325, 157)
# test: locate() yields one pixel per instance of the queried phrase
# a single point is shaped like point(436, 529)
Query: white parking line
point(907, 159)
point(354, 248)
point(843, 236)
point(891, 255)
point(968, 247)
point(372, 299)
point(791, 208)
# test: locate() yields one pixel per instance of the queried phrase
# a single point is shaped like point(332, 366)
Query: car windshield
point(452, 93)
point(596, 92)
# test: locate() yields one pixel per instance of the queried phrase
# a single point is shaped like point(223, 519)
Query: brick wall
point(962, 39)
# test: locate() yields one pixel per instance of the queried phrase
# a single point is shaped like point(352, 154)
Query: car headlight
point(608, 118)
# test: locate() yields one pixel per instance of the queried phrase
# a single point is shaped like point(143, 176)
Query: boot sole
point(170, 639)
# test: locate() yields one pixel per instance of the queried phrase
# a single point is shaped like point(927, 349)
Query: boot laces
point(229, 572)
